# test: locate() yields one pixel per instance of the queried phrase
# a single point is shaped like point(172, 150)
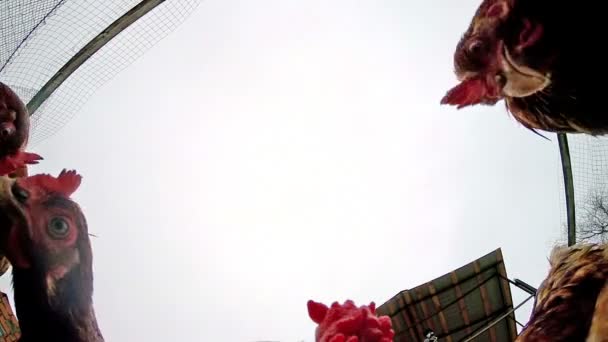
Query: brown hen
point(44, 234)
point(572, 302)
point(543, 57)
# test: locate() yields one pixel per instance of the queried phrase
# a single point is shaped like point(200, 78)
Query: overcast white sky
point(274, 151)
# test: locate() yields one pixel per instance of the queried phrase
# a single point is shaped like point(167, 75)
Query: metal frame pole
point(89, 50)
point(493, 323)
point(564, 152)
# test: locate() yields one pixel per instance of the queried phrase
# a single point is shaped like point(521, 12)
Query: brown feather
point(567, 299)
point(599, 324)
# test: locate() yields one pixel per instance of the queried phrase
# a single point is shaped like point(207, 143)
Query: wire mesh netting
point(589, 159)
point(38, 37)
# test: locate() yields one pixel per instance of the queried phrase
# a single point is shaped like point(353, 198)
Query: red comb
point(467, 93)
point(349, 323)
point(317, 311)
point(66, 183)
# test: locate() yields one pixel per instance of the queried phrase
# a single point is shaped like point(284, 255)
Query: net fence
point(38, 37)
point(589, 159)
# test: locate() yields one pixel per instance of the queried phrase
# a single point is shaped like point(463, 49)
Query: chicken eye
point(58, 228)
point(476, 47)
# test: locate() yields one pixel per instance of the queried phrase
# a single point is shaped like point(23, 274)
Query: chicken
point(348, 323)
point(572, 302)
point(44, 235)
point(542, 57)
point(14, 134)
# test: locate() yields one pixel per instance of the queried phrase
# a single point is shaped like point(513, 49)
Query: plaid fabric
point(456, 305)
point(9, 327)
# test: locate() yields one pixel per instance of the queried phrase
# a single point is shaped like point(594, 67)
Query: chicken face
point(45, 237)
point(43, 230)
point(498, 57)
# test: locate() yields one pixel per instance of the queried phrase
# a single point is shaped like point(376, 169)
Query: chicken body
point(542, 57)
point(44, 235)
point(14, 134)
point(572, 302)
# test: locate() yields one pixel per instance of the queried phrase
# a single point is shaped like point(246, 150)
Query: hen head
point(14, 120)
point(45, 233)
point(499, 56)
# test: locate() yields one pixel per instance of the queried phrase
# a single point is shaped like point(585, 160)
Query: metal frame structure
point(430, 335)
point(522, 286)
point(89, 50)
point(470, 303)
point(564, 152)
